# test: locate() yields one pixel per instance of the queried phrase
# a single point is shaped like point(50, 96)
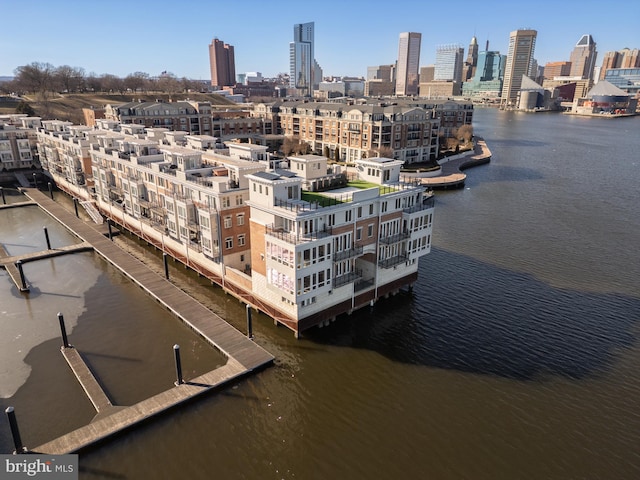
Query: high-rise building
point(449, 61)
point(304, 72)
point(557, 69)
point(522, 44)
point(381, 72)
point(223, 64)
point(469, 69)
point(472, 53)
point(583, 58)
point(408, 63)
point(487, 81)
point(625, 58)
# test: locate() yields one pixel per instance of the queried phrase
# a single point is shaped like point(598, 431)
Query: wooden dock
point(244, 355)
point(86, 378)
point(17, 204)
point(9, 262)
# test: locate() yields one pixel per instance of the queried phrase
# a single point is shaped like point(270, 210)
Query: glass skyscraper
point(302, 65)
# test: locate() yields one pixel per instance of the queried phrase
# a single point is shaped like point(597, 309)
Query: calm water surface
point(515, 357)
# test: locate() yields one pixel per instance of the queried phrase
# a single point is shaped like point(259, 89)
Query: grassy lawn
point(361, 184)
point(316, 197)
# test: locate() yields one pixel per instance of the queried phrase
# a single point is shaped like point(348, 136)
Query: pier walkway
point(9, 263)
point(244, 355)
point(17, 204)
point(86, 378)
point(451, 175)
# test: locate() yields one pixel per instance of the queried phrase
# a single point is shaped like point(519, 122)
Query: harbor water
point(515, 356)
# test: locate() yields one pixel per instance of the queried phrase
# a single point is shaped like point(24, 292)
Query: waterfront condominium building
point(304, 72)
point(520, 61)
point(302, 245)
point(408, 64)
point(353, 132)
point(583, 58)
point(222, 62)
point(18, 143)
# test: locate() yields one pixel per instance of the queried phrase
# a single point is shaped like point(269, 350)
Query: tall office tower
point(522, 44)
point(583, 58)
point(223, 64)
point(449, 60)
point(302, 64)
point(469, 68)
point(472, 53)
point(487, 81)
point(408, 63)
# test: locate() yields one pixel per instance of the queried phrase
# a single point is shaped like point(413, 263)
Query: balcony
point(427, 203)
point(393, 261)
point(296, 238)
point(345, 254)
point(347, 278)
point(398, 237)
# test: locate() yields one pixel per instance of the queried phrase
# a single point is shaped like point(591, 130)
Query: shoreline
point(451, 174)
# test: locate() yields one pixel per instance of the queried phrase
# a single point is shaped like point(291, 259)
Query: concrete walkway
point(451, 175)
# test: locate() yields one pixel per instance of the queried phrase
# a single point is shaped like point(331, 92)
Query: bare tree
point(137, 81)
point(69, 79)
point(295, 145)
point(36, 77)
point(465, 133)
point(168, 83)
point(112, 84)
point(93, 82)
point(384, 152)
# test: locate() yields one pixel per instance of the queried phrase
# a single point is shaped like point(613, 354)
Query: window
point(238, 199)
point(347, 216)
point(370, 230)
point(359, 212)
point(227, 221)
point(228, 243)
point(371, 209)
point(240, 219)
point(226, 202)
point(241, 240)
point(359, 233)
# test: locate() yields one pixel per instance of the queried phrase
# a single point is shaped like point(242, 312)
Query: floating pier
point(243, 355)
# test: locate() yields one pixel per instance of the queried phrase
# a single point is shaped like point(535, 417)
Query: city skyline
point(346, 44)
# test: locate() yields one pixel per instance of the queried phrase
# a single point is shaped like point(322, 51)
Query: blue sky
point(121, 37)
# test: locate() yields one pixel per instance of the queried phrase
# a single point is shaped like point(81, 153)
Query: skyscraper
point(469, 69)
point(304, 72)
point(583, 58)
point(487, 81)
point(223, 64)
point(472, 53)
point(522, 44)
point(449, 60)
point(408, 63)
